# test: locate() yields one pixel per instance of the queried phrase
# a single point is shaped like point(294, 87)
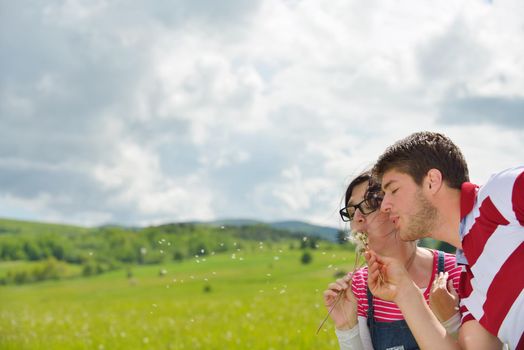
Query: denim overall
point(393, 335)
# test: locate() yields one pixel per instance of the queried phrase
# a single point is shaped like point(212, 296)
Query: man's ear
point(433, 181)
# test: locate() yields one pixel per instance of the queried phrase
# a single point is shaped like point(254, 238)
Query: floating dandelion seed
point(304, 239)
point(360, 240)
point(202, 251)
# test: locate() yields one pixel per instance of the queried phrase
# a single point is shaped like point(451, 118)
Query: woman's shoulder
point(360, 276)
point(450, 262)
point(447, 256)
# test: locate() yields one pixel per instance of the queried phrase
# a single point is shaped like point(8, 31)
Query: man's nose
point(386, 204)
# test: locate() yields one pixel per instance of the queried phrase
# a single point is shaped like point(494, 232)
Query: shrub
point(306, 258)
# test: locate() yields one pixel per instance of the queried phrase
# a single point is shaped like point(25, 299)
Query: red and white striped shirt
point(492, 231)
point(387, 311)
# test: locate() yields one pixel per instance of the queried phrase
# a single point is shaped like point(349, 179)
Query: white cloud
point(158, 112)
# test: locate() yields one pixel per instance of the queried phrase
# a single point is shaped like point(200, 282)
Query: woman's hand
point(344, 314)
point(443, 300)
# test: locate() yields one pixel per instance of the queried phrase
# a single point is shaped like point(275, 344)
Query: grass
point(264, 299)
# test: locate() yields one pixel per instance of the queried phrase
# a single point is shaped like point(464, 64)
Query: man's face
point(409, 210)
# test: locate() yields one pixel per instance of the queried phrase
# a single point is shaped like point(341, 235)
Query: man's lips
point(394, 219)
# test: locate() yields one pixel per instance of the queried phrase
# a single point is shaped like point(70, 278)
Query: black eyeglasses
point(367, 206)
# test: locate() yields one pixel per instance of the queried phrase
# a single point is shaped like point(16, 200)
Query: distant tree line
point(106, 248)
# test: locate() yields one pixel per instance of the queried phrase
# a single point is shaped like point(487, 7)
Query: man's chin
point(407, 235)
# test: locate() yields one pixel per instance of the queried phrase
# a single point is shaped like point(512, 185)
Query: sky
point(149, 112)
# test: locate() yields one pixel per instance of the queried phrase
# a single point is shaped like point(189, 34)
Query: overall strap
point(371, 312)
point(440, 262)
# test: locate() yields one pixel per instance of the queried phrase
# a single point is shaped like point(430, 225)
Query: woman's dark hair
point(373, 192)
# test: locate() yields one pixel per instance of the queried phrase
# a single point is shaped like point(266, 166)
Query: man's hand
point(387, 277)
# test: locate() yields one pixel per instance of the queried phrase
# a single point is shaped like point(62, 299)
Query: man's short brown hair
point(416, 154)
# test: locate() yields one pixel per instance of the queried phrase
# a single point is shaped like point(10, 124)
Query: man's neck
point(448, 225)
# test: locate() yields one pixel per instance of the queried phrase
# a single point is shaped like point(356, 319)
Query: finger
point(329, 294)
point(342, 283)
point(335, 287)
point(348, 277)
point(441, 283)
point(434, 285)
point(350, 296)
point(452, 289)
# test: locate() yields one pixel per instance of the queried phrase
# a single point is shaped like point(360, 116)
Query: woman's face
point(377, 224)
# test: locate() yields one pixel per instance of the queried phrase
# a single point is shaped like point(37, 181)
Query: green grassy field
point(250, 300)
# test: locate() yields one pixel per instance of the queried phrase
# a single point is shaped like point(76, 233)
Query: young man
point(425, 182)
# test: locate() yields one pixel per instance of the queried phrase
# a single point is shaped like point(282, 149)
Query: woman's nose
point(358, 220)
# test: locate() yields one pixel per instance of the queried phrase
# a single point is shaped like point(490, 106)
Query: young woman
point(366, 322)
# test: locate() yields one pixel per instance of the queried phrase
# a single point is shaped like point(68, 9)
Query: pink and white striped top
point(386, 311)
